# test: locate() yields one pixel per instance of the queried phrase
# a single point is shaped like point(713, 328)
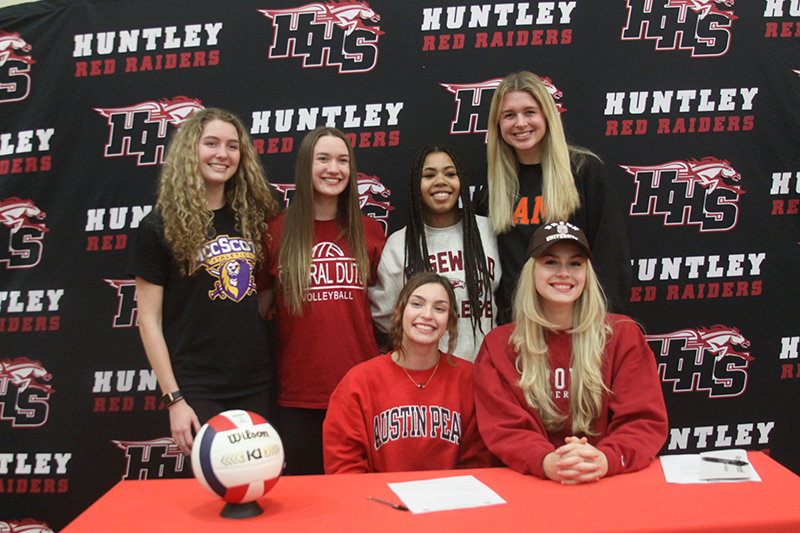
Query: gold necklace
point(429, 379)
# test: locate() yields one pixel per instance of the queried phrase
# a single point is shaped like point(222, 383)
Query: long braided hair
point(476, 273)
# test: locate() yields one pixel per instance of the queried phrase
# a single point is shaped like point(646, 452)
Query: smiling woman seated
point(413, 408)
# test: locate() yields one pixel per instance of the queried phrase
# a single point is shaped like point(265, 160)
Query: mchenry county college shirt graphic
point(231, 261)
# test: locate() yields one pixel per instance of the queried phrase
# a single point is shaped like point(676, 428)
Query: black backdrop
point(693, 105)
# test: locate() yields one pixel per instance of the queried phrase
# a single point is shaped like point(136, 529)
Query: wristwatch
point(171, 398)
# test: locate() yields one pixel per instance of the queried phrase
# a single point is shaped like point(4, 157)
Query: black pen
point(392, 505)
point(734, 462)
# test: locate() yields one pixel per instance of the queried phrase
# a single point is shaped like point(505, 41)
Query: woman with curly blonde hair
point(194, 260)
point(535, 177)
point(568, 391)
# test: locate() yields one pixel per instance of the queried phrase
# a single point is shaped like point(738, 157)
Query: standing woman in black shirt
point(535, 177)
point(194, 258)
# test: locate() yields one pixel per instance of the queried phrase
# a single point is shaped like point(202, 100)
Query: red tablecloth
point(640, 502)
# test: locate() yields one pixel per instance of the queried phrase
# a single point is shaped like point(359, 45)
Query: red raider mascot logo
point(28, 525)
point(23, 238)
point(152, 459)
point(697, 25)
point(703, 360)
point(141, 130)
point(688, 192)
point(23, 398)
point(474, 100)
point(15, 82)
point(367, 187)
point(327, 35)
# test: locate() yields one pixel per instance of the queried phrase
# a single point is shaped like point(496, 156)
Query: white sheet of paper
point(685, 468)
point(443, 494)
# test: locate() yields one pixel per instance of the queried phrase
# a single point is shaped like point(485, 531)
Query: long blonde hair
point(297, 239)
point(181, 191)
point(590, 333)
point(559, 194)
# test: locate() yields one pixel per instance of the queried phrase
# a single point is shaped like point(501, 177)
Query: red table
point(640, 502)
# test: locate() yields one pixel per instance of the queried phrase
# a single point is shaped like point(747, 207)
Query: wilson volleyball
point(238, 456)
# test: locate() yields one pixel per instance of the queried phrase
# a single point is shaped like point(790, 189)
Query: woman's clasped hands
point(575, 462)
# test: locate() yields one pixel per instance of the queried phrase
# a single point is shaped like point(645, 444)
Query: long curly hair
point(559, 194)
point(297, 239)
point(476, 274)
point(181, 192)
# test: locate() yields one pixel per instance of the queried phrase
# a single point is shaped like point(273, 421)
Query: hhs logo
point(703, 360)
point(127, 311)
point(697, 25)
point(141, 130)
point(474, 100)
point(23, 396)
point(368, 188)
point(152, 459)
point(327, 35)
point(688, 192)
point(15, 82)
point(23, 238)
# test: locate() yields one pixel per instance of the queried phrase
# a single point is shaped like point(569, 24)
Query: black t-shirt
point(216, 339)
point(600, 216)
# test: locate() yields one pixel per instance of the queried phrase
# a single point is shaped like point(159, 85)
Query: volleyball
point(238, 456)
point(326, 250)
